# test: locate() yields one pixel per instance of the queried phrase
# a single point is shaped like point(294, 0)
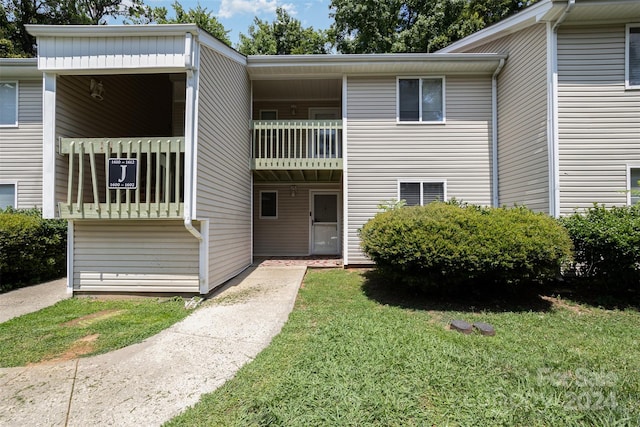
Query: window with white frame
point(268, 205)
point(634, 185)
point(421, 100)
point(632, 69)
point(419, 193)
point(7, 196)
point(8, 103)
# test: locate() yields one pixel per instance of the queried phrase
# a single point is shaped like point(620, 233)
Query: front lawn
point(353, 354)
point(82, 327)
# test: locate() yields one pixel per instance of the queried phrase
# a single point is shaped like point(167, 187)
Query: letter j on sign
point(123, 173)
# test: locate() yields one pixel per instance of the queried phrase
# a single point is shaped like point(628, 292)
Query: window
point(7, 196)
point(8, 103)
point(634, 185)
point(632, 70)
point(268, 205)
point(268, 114)
point(421, 100)
point(421, 193)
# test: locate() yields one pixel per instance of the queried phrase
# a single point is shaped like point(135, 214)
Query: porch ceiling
point(303, 175)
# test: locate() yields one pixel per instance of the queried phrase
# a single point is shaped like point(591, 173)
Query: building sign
point(123, 173)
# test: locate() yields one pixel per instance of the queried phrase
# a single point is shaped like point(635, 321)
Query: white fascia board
point(209, 41)
point(110, 30)
point(542, 11)
point(19, 69)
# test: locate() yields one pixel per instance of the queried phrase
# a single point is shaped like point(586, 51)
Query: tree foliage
point(370, 26)
point(15, 14)
point(284, 36)
point(200, 16)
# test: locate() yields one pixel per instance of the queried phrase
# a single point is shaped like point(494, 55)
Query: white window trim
point(13, 125)
point(421, 122)
point(423, 181)
point(627, 58)
point(277, 207)
point(629, 167)
point(15, 190)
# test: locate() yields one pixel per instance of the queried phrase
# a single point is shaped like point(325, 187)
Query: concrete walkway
point(32, 298)
point(147, 384)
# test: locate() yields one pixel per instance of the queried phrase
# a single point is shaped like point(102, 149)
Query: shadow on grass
point(377, 288)
point(584, 292)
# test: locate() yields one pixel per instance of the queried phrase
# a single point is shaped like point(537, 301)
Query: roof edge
point(110, 30)
point(19, 68)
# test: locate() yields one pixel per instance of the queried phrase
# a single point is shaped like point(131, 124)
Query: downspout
point(554, 160)
point(494, 133)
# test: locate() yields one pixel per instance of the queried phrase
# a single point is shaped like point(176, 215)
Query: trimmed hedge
point(446, 245)
point(32, 249)
point(607, 245)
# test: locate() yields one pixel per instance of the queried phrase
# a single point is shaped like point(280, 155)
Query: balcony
point(154, 188)
point(297, 145)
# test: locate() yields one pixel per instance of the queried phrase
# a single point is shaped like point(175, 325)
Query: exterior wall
point(288, 235)
point(116, 52)
point(284, 108)
point(223, 174)
point(381, 151)
point(21, 147)
point(599, 121)
point(134, 256)
point(523, 154)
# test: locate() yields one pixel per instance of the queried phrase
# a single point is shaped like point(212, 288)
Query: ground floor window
point(7, 196)
point(416, 193)
point(634, 185)
point(268, 205)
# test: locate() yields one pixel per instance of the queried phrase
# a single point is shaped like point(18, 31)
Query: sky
point(237, 15)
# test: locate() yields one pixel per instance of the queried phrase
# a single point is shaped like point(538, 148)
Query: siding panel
point(134, 256)
point(523, 154)
point(599, 121)
point(21, 147)
point(381, 151)
point(223, 169)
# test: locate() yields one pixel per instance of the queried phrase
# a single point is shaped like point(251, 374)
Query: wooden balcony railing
point(297, 144)
point(158, 191)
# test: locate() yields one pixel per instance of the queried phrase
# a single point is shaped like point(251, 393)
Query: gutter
point(552, 120)
point(494, 133)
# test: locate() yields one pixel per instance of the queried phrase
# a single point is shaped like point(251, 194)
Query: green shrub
point(32, 249)
point(607, 245)
point(453, 245)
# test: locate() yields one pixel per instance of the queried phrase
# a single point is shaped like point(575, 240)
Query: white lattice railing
point(297, 144)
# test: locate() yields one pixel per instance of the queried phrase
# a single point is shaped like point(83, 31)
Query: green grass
point(63, 332)
point(353, 354)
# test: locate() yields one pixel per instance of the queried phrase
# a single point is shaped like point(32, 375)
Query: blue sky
point(237, 15)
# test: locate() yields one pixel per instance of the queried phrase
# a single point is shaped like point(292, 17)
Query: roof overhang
point(585, 12)
point(111, 30)
point(264, 67)
point(19, 68)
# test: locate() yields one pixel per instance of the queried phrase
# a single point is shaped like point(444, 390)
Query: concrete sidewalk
point(147, 384)
point(32, 298)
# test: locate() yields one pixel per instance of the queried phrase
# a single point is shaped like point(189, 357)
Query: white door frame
point(311, 215)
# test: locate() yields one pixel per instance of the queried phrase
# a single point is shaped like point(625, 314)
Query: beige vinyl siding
point(288, 235)
point(102, 53)
point(223, 193)
point(133, 105)
point(523, 154)
point(599, 121)
point(134, 256)
point(381, 151)
point(21, 147)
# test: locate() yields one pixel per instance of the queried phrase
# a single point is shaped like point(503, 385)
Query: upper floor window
point(8, 103)
point(634, 185)
point(421, 100)
point(420, 193)
point(632, 70)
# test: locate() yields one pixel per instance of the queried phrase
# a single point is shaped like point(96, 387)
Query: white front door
point(323, 142)
point(324, 223)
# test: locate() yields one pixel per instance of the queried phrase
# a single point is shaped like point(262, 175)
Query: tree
point(14, 39)
point(370, 26)
point(284, 36)
point(200, 16)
